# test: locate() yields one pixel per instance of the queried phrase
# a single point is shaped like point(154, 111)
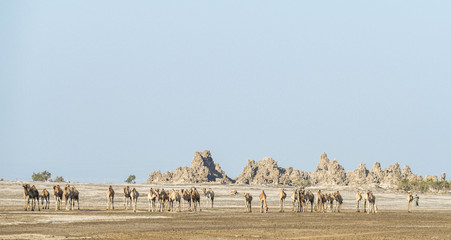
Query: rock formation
point(328, 172)
point(203, 169)
point(267, 171)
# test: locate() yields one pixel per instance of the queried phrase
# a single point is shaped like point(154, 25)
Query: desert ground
point(227, 220)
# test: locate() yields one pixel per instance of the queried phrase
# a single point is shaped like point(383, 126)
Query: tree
point(59, 179)
point(41, 176)
point(131, 179)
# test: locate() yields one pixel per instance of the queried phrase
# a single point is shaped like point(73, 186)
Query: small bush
point(41, 176)
point(59, 179)
point(130, 179)
point(302, 183)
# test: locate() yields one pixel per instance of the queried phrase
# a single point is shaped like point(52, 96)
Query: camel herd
point(189, 199)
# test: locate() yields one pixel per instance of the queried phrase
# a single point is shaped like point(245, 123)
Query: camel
point(409, 202)
point(309, 197)
point(110, 198)
point(134, 194)
point(45, 196)
point(330, 201)
point(195, 198)
point(66, 192)
point(186, 195)
point(282, 196)
point(248, 202)
point(302, 200)
point(358, 198)
point(338, 201)
point(30, 193)
point(127, 197)
point(210, 195)
point(152, 198)
point(263, 202)
point(174, 197)
point(161, 199)
point(74, 196)
point(58, 194)
point(295, 200)
point(371, 199)
point(320, 201)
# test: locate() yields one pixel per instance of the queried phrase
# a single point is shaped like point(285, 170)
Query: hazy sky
point(97, 90)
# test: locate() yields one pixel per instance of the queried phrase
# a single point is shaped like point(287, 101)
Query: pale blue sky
point(97, 90)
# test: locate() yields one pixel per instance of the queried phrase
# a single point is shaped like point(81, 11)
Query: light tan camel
point(309, 198)
point(45, 196)
point(295, 200)
point(358, 198)
point(195, 199)
point(152, 198)
point(282, 196)
point(127, 197)
point(66, 193)
point(210, 195)
point(31, 194)
point(74, 196)
point(371, 199)
point(263, 203)
point(58, 194)
point(110, 198)
point(338, 201)
point(409, 202)
point(248, 202)
point(134, 194)
point(320, 201)
point(174, 197)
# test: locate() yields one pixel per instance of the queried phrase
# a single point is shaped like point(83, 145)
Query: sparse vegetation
point(41, 176)
point(130, 179)
point(424, 186)
point(59, 179)
point(302, 183)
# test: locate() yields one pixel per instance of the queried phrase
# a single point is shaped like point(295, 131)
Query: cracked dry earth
point(226, 221)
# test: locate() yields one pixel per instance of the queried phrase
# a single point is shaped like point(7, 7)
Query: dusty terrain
point(227, 220)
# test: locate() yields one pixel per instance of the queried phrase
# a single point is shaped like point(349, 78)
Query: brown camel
point(358, 198)
point(110, 198)
point(282, 196)
point(58, 194)
point(30, 194)
point(134, 194)
point(295, 200)
point(186, 195)
point(302, 200)
point(263, 202)
point(45, 196)
point(330, 201)
point(74, 196)
point(409, 202)
point(152, 198)
point(309, 198)
point(338, 201)
point(195, 199)
point(127, 197)
point(162, 196)
point(248, 202)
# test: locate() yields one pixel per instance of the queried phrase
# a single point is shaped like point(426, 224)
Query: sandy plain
point(227, 220)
